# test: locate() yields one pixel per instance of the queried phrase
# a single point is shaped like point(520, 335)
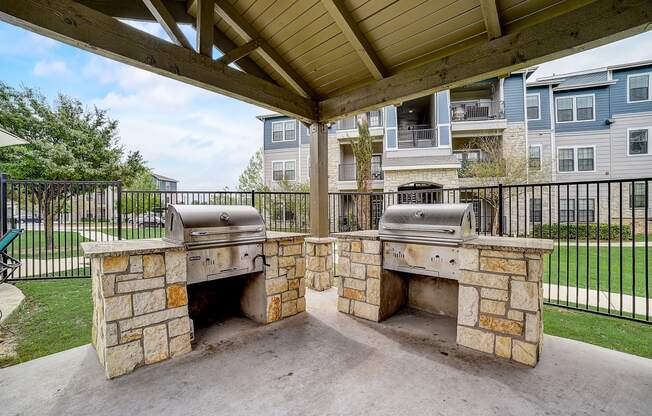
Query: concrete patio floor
point(325, 363)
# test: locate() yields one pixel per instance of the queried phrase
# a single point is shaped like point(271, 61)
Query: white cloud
point(200, 138)
point(46, 68)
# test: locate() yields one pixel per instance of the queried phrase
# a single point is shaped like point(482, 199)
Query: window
point(638, 141)
point(580, 159)
point(375, 118)
point(586, 210)
point(283, 170)
point(637, 196)
point(564, 109)
point(277, 171)
point(536, 209)
point(277, 132)
point(576, 108)
point(533, 107)
point(283, 131)
point(638, 88)
point(566, 210)
point(535, 158)
point(585, 159)
point(566, 160)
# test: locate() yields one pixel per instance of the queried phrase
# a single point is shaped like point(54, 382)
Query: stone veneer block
point(319, 270)
point(499, 291)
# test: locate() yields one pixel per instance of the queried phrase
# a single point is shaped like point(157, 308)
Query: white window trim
point(538, 95)
point(283, 130)
point(284, 162)
point(574, 98)
point(540, 146)
point(649, 90)
point(649, 131)
point(575, 164)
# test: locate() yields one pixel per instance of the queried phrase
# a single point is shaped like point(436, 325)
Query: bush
point(574, 231)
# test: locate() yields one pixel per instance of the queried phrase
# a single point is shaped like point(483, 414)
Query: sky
point(200, 138)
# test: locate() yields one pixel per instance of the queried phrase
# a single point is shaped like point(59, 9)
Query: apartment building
point(581, 126)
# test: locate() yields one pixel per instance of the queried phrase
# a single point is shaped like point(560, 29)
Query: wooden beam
point(205, 23)
point(240, 52)
point(595, 24)
point(354, 35)
point(491, 19)
point(136, 10)
point(238, 23)
point(85, 28)
point(319, 180)
point(167, 22)
point(224, 44)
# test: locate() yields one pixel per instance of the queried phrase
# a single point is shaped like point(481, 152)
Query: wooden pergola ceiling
point(319, 60)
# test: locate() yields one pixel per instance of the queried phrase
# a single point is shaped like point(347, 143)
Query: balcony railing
point(348, 171)
point(488, 110)
point(417, 137)
point(375, 119)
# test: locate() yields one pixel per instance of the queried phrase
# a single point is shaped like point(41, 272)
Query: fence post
point(253, 198)
point(500, 209)
point(3, 202)
point(119, 210)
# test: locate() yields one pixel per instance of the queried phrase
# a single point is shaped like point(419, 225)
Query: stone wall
point(319, 263)
point(446, 178)
point(500, 302)
point(285, 285)
point(140, 313)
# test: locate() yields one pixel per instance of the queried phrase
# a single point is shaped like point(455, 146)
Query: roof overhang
point(585, 85)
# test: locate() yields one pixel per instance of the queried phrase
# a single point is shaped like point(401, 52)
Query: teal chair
point(8, 264)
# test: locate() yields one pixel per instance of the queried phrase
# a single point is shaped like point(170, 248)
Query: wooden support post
point(319, 180)
point(205, 23)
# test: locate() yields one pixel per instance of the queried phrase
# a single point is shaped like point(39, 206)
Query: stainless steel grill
point(424, 238)
point(222, 240)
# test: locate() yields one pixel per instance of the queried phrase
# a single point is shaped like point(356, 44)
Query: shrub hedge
point(573, 231)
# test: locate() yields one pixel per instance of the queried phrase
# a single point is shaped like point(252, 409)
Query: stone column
point(285, 285)
point(319, 262)
point(500, 301)
point(140, 312)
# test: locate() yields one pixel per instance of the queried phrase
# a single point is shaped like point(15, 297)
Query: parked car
point(147, 219)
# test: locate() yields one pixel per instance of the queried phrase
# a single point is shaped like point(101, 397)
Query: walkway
point(325, 363)
point(559, 294)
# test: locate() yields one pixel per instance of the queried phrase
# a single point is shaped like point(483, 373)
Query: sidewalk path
point(10, 299)
point(605, 301)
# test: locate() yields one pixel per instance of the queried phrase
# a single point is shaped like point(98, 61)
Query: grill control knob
point(225, 217)
point(419, 214)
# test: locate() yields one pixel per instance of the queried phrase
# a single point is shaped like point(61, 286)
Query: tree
point(496, 165)
point(252, 177)
point(66, 142)
point(362, 148)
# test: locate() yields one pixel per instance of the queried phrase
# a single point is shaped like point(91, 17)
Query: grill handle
point(243, 229)
point(436, 230)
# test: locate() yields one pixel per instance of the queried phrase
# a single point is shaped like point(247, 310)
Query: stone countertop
point(280, 235)
point(357, 235)
point(510, 243)
point(128, 247)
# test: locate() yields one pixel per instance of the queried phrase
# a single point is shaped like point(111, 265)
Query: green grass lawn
point(34, 244)
point(613, 333)
point(574, 260)
point(129, 233)
point(55, 316)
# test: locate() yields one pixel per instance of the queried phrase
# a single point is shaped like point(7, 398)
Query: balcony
point(477, 111)
point(348, 171)
point(418, 136)
point(375, 119)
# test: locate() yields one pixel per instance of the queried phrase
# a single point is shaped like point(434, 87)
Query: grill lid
point(203, 225)
point(434, 223)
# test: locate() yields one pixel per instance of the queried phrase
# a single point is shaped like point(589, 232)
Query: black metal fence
point(601, 229)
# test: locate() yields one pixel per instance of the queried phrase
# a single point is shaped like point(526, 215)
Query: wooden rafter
point(354, 35)
point(88, 29)
point(167, 22)
point(240, 52)
point(205, 23)
point(225, 45)
point(592, 25)
point(133, 9)
point(491, 19)
point(228, 13)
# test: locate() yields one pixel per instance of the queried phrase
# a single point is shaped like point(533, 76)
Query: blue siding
point(390, 136)
point(390, 111)
point(619, 103)
point(514, 106)
point(544, 102)
point(602, 110)
point(305, 134)
point(267, 134)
